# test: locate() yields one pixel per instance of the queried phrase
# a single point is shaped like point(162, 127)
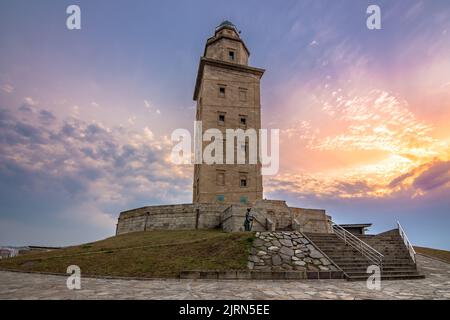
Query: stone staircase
point(397, 263)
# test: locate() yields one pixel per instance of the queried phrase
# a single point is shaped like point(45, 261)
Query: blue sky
point(85, 115)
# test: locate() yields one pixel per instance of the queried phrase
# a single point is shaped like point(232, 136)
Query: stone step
point(387, 255)
point(344, 266)
point(382, 240)
point(340, 241)
point(397, 263)
point(353, 268)
point(339, 261)
point(324, 238)
point(364, 267)
point(350, 255)
point(358, 254)
point(361, 258)
point(371, 236)
point(321, 235)
point(393, 243)
point(336, 239)
point(336, 248)
point(385, 247)
point(348, 248)
point(374, 241)
point(385, 269)
point(388, 277)
point(362, 272)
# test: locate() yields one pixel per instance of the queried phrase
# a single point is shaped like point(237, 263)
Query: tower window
point(231, 55)
point(243, 182)
point(242, 94)
point(224, 154)
point(222, 92)
point(243, 121)
point(220, 179)
point(221, 119)
point(244, 148)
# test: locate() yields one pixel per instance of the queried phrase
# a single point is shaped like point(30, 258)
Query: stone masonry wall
point(233, 218)
point(170, 217)
point(240, 106)
point(312, 220)
point(285, 251)
point(269, 215)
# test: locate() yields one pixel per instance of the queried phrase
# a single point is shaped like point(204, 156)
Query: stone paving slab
point(436, 285)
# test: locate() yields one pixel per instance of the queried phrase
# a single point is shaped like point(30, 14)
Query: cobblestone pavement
point(15, 285)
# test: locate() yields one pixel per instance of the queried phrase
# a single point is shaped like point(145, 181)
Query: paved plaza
point(436, 285)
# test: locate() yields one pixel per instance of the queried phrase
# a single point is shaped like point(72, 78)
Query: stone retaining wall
point(259, 275)
point(285, 251)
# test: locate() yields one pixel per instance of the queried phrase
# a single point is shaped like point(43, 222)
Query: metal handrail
point(406, 241)
point(320, 250)
point(367, 251)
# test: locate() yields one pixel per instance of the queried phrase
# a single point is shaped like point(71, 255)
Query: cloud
point(420, 181)
point(83, 168)
point(436, 176)
point(356, 143)
point(148, 105)
point(400, 179)
point(377, 121)
point(317, 186)
point(29, 101)
point(75, 111)
point(7, 88)
point(28, 105)
point(132, 120)
point(46, 116)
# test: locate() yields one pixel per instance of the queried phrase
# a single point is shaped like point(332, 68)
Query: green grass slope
point(144, 254)
point(434, 253)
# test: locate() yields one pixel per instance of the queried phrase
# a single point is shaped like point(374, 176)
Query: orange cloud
point(366, 145)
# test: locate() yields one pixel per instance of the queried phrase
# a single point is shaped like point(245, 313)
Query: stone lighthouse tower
point(227, 92)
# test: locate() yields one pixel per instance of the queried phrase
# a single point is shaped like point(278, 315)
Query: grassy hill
point(434, 253)
point(144, 254)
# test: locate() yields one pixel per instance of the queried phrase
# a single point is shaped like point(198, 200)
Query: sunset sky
point(86, 116)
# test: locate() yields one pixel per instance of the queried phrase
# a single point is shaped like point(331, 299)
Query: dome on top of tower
point(226, 24)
